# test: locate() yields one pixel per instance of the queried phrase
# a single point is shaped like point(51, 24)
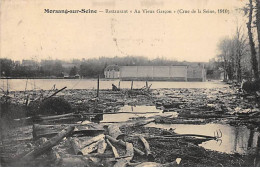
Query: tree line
point(85, 68)
point(239, 56)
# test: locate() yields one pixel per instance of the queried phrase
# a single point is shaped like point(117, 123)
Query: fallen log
point(122, 143)
point(76, 146)
point(204, 115)
point(147, 148)
point(24, 119)
point(179, 121)
point(86, 146)
point(48, 145)
point(56, 116)
point(114, 131)
point(129, 151)
point(177, 136)
point(68, 120)
point(102, 147)
point(113, 149)
point(188, 135)
point(62, 126)
point(51, 130)
point(98, 155)
point(54, 93)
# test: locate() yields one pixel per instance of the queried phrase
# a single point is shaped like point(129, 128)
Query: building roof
point(112, 67)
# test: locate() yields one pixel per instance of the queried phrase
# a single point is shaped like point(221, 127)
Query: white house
point(112, 72)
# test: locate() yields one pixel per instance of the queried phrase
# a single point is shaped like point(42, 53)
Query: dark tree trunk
point(251, 41)
point(258, 28)
point(225, 71)
point(239, 73)
point(230, 71)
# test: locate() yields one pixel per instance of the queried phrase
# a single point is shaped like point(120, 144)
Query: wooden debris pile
point(90, 144)
point(206, 105)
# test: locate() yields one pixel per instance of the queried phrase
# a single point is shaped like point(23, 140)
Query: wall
point(196, 73)
point(177, 73)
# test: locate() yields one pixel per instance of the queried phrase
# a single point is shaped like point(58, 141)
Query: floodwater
point(47, 84)
point(135, 112)
point(234, 139)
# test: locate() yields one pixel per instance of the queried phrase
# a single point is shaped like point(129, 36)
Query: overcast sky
point(27, 32)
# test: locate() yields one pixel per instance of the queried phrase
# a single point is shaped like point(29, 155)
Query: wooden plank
point(129, 151)
point(51, 130)
point(48, 145)
point(113, 149)
point(122, 143)
point(147, 148)
point(76, 146)
point(102, 146)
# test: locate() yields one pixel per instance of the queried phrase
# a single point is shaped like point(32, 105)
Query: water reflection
point(134, 112)
point(234, 139)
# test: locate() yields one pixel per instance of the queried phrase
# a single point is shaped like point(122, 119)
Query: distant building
point(77, 76)
point(112, 72)
point(193, 72)
point(172, 73)
point(196, 72)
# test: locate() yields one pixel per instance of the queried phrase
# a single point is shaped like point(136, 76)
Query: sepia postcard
point(140, 83)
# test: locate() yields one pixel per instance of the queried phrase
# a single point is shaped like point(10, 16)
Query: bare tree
point(251, 41)
point(240, 47)
point(233, 50)
point(258, 28)
point(226, 48)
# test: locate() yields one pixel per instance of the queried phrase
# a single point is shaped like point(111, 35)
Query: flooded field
point(234, 139)
point(47, 84)
point(179, 120)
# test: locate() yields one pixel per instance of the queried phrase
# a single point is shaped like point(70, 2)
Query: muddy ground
point(194, 106)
